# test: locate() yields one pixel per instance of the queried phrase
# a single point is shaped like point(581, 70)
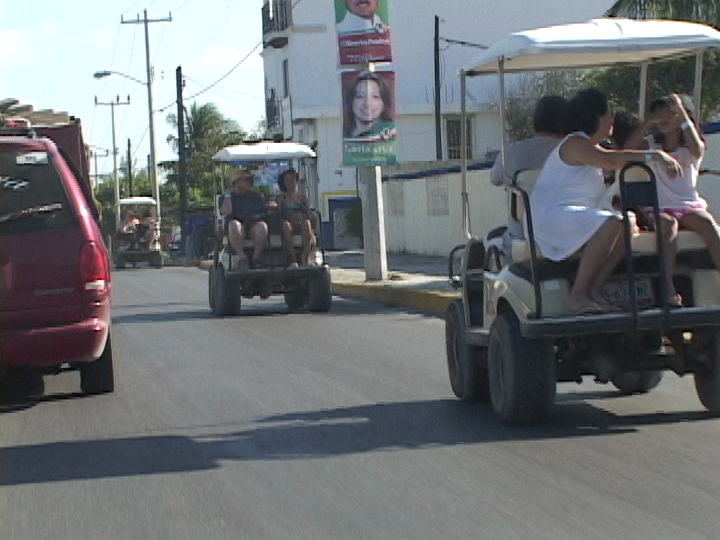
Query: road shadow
point(311, 435)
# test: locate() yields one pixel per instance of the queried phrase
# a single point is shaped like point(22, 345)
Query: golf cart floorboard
point(620, 323)
point(291, 273)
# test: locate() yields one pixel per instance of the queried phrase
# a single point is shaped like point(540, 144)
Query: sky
point(51, 48)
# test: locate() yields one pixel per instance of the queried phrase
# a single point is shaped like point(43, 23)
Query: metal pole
point(115, 171)
point(151, 127)
point(503, 110)
point(697, 91)
point(643, 89)
point(463, 156)
point(182, 155)
point(438, 123)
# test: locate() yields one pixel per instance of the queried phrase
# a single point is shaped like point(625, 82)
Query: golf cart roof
point(139, 201)
point(263, 151)
point(596, 43)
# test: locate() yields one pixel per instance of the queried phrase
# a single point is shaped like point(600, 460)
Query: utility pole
point(375, 248)
point(129, 169)
point(182, 154)
point(153, 159)
point(94, 153)
point(112, 105)
point(438, 124)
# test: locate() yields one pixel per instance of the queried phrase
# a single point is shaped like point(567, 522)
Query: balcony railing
point(276, 16)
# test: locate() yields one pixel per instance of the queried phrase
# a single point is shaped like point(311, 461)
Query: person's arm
point(226, 207)
point(580, 151)
point(694, 143)
point(637, 140)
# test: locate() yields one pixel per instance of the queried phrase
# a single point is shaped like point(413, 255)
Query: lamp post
point(151, 127)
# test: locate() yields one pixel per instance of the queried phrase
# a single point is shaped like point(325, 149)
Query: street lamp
point(153, 164)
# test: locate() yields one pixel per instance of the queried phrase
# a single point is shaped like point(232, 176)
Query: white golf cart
point(138, 240)
point(510, 339)
point(302, 287)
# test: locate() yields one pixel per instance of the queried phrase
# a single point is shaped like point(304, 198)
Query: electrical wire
point(221, 19)
point(181, 6)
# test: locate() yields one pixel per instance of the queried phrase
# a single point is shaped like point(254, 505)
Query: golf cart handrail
point(263, 151)
point(596, 43)
point(139, 201)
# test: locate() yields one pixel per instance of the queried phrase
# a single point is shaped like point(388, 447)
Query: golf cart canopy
point(139, 201)
point(596, 43)
point(263, 151)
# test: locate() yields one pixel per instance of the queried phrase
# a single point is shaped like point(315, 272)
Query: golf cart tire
point(521, 372)
point(98, 377)
point(707, 381)
point(296, 299)
point(119, 262)
point(227, 295)
point(211, 288)
point(467, 365)
point(636, 382)
point(156, 259)
point(319, 297)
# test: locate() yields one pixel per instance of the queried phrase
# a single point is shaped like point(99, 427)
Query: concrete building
point(302, 80)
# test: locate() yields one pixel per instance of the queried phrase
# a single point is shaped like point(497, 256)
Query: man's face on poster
point(362, 8)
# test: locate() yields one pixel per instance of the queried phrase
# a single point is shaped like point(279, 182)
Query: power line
point(221, 19)
point(134, 4)
point(182, 6)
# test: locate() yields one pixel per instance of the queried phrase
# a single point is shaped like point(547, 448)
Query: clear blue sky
point(50, 50)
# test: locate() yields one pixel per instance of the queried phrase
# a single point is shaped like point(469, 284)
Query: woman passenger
point(566, 207)
point(297, 218)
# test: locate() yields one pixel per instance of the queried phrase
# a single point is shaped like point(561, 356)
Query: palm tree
point(704, 11)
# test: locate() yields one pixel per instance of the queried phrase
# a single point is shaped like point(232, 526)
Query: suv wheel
point(521, 373)
point(467, 366)
point(98, 377)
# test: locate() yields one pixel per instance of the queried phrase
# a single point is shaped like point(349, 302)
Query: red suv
point(54, 267)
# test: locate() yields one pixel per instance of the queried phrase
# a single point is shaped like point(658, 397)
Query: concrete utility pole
point(94, 152)
point(129, 169)
point(438, 123)
point(370, 179)
point(112, 105)
point(153, 163)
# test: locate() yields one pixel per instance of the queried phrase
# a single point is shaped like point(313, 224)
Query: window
point(453, 138)
point(286, 79)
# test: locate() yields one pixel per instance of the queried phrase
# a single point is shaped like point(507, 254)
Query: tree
point(703, 11)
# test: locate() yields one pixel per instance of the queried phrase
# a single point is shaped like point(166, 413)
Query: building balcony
point(276, 23)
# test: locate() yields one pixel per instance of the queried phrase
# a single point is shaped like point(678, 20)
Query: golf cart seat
point(643, 242)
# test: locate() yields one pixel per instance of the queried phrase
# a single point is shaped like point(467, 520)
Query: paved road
point(335, 427)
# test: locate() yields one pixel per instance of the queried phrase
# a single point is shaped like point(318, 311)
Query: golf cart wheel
point(467, 365)
point(156, 259)
point(211, 288)
point(707, 381)
point(98, 377)
point(119, 262)
point(637, 382)
point(320, 292)
point(296, 298)
point(521, 373)
point(227, 295)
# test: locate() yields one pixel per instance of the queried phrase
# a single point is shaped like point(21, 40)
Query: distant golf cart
point(302, 287)
point(510, 338)
point(137, 241)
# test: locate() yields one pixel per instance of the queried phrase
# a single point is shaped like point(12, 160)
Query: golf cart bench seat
point(643, 243)
point(275, 241)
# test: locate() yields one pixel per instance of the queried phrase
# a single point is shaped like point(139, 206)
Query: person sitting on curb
point(246, 209)
point(297, 218)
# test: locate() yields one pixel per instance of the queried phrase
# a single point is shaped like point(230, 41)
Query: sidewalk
point(414, 281)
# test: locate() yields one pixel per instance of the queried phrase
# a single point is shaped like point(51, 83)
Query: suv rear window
point(32, 195)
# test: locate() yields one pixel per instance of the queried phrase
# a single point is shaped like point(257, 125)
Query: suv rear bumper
point(78, 342)
point(620, 323)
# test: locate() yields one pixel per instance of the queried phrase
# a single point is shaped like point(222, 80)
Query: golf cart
point(138, 239)
point(303, 286)
point(511, 339)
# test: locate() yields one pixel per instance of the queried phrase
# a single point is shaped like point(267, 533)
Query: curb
point(435, 302)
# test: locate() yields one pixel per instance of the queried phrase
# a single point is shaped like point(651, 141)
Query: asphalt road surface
point(340, 426)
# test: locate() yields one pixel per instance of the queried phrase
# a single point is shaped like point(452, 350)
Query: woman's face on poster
point(367, 105)
point(362, 8)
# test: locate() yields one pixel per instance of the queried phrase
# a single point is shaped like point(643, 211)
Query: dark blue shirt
point(248, 207)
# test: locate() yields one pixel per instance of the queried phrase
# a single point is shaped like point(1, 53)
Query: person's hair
point(281, 179)
point(385, 95)
point(550, 115)
point(585, 110)
point(666, 103)
point(239, 175)
point(147, 214)
point(625, 124)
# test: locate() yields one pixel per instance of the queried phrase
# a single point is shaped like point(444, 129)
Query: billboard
point(363, 31)
point(369, 133)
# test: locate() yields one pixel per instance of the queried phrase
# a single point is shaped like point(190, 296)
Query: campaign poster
point(369, 133)
point(363, 31)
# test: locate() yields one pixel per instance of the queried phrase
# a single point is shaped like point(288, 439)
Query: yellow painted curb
point(422, 300)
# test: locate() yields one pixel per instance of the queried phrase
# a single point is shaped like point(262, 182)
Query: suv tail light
point(94, 271)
